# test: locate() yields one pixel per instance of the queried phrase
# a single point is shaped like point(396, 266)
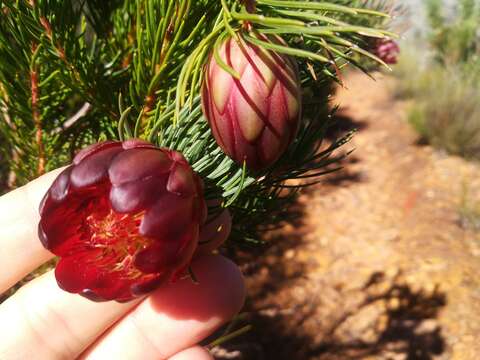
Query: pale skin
point(41, 321)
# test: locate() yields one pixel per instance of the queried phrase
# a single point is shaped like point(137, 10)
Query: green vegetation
point(469, 208)
point(446, 107)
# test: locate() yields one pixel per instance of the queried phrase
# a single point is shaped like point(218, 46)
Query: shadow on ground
point(299, 312)
point(401, 325)
point(295, 316)
point(406, 326)
point(342, 124)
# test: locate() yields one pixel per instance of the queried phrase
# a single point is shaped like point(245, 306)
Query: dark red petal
point(62, 227)
point(93, 169)
point(135, 164)
point(79, 273)
point(168, 217)
point(145, 287)
point(74, 273)
point(90, 295)
point(57, 193)
point(136, 195)
point(111, 286)
point(177, 156)
point(94, 148)
point(189, 245)
point(163, 257)
point(45, 203)
point(181, 181)
point(59, 232)
point(137, 144)
point(59, 189)
point(157, 258)
point(43, 236)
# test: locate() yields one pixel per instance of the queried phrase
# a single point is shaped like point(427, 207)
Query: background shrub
point(446, 101)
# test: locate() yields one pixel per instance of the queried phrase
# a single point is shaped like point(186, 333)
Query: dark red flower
point(123, 218)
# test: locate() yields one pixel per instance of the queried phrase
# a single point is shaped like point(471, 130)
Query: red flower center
point(116, 237)
point(100, 257)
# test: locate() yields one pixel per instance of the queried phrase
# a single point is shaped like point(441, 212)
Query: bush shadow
point(404, 325)
point(409, 324)
point(278, 244)
point(342, 123)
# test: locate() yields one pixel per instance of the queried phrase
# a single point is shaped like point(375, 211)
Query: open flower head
point(123, 218)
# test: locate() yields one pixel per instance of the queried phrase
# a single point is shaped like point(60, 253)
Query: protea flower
point(123, 218)
point(253, 118)
point(387, 50)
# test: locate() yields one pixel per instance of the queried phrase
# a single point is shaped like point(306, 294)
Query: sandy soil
point(382, 264)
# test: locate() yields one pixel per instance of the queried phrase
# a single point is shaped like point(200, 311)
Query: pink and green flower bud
point(256, 117)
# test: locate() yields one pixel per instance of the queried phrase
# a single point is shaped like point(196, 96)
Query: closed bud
point(256, 117)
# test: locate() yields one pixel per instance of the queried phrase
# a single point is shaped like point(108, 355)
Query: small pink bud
point(387, 50)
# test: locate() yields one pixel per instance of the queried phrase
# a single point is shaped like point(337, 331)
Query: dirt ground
point(382, 264)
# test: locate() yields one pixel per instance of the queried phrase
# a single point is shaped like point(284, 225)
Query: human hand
point(41, 321)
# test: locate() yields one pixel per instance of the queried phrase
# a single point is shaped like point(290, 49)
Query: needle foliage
point(77, 72)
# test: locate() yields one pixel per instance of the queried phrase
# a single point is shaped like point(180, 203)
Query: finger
point(176, 317)
point(21, 251)
point(41, 321)
point(193, 353)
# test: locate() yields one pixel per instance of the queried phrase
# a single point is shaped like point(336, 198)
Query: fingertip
point(179, 315)
point(222, 277)
point(219, 293)
point(18, 230)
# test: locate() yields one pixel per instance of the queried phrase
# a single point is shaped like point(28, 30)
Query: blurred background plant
point(443, 80)
point(469, 208)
